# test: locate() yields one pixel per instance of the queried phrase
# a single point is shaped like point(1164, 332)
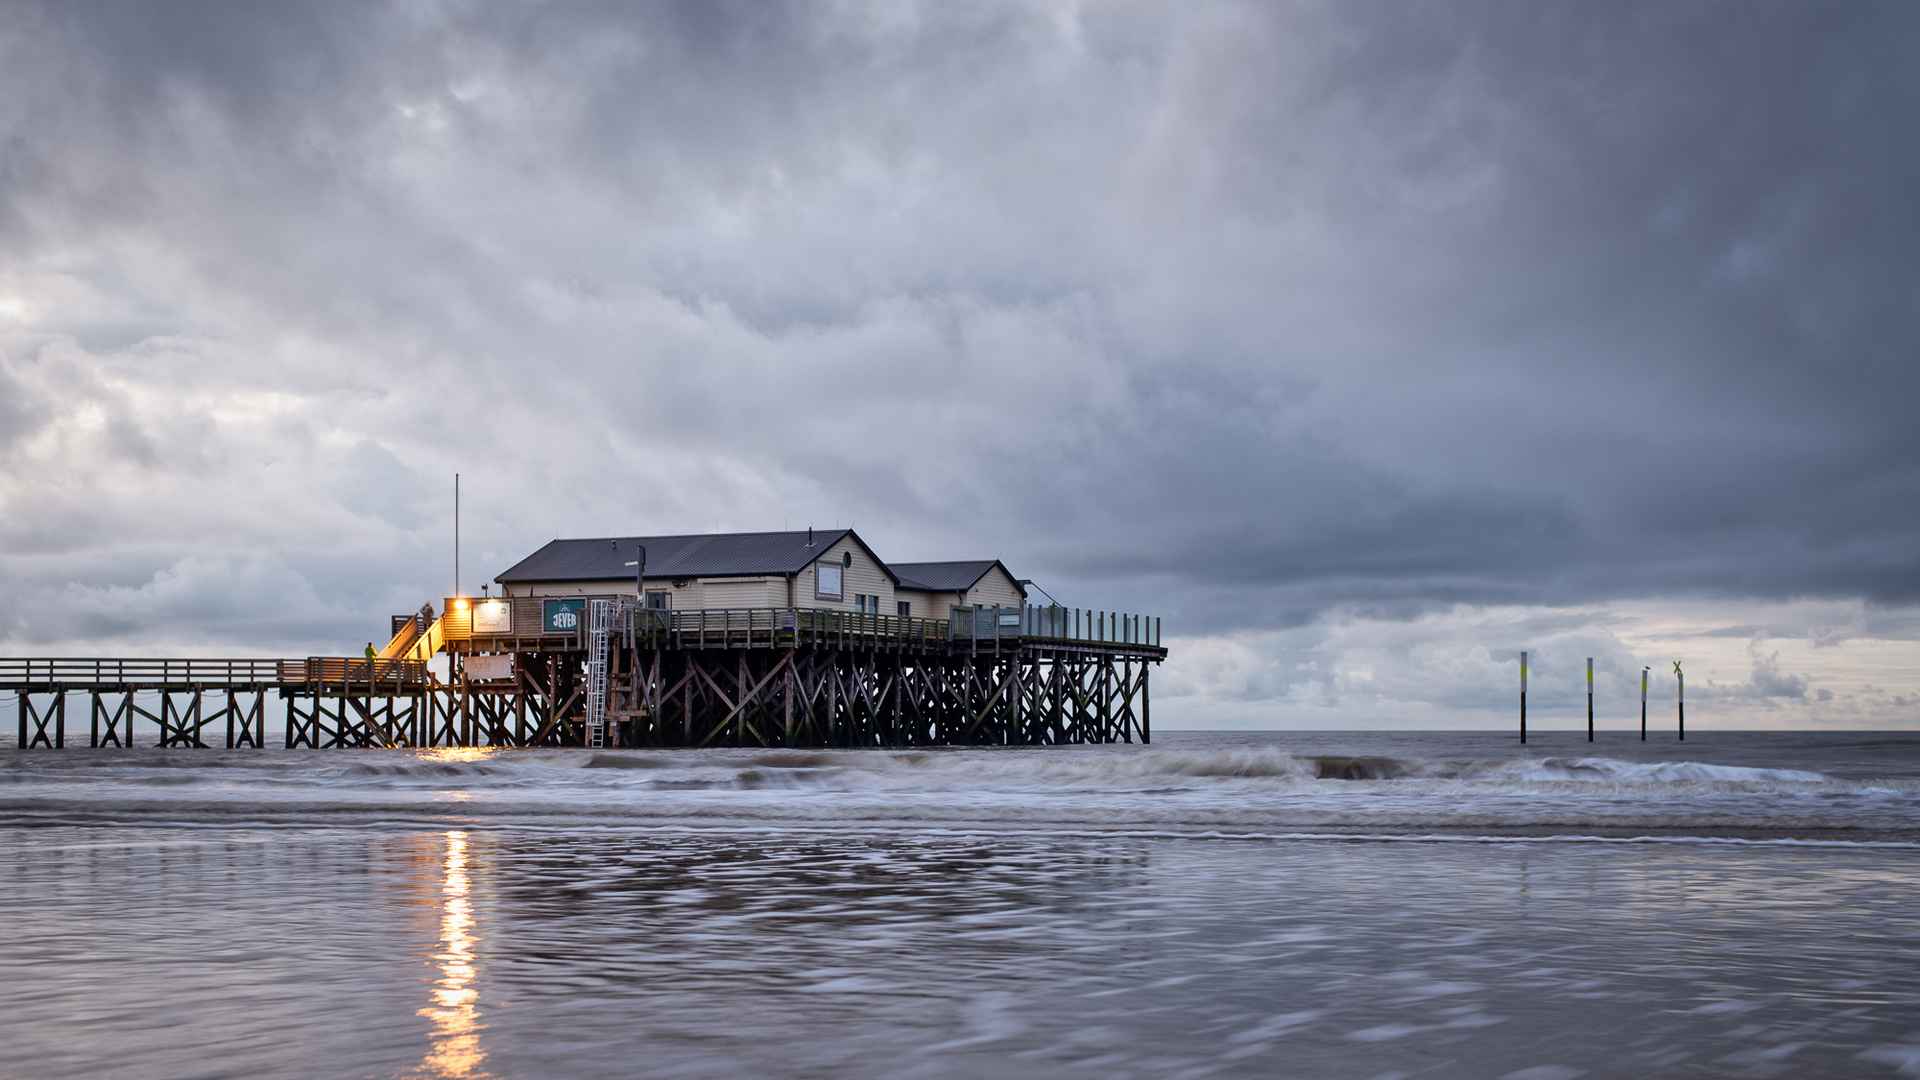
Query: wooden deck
point(739, 676)
point(966, 630)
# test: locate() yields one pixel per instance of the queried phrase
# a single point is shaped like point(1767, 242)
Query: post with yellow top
point(1643, 704)
point(1589, 699)
point(1523, 698)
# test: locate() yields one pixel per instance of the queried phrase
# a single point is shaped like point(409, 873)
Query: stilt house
point(829, 570)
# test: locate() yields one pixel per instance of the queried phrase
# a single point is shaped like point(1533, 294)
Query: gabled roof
point(701, 555)
point(945, 576)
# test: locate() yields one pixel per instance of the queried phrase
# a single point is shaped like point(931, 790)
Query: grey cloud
point(1239, 312)
point(16, 409)
point(255, 604)
point(1767, 681)
point(377, 484)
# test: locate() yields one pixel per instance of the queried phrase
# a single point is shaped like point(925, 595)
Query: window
point(826, 583)
point(867, 605)
point(660, 601)
point(906, 608)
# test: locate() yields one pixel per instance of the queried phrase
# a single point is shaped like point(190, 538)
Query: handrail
point(701, 627)
point(402, 640)
point(696, 628)
point(709, 627)
point(99, 670)
point(360, 670)
point(94, 671)
point(1056, 623)
point(428, 644)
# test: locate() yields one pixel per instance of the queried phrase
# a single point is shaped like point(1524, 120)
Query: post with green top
point(1681, 698)
point(1589, 699)
point(1523, 698)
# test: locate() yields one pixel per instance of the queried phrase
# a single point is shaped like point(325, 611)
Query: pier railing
point(32, 672)
point(1056, 624)
point(44, 671)
point(759, 627)
point(353, 670)
point(708, 628)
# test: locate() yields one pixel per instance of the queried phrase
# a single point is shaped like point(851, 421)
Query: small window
point(905, 607)
point(827, 584)
point(660, 601)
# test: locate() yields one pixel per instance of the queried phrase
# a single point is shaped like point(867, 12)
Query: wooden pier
point(764, 677)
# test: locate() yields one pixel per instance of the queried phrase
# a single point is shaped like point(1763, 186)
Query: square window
point(906, 608)
point(826, 583)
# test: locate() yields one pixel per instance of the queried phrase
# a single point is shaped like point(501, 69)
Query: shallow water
point(1213, 905)
point(1852, 788)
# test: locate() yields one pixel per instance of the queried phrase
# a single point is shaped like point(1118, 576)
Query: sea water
point(1260, 904)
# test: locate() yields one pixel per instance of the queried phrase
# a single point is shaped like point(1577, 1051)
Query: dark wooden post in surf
point(1680, 698)
point(1589, 699)
point(1523, 698)
point(1643, 704)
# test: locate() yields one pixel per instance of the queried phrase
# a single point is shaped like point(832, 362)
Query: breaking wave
point(1245, 789)
point(1039, 769)
point(1033, 769)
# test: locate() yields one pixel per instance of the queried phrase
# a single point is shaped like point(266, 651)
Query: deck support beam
point(54, 712)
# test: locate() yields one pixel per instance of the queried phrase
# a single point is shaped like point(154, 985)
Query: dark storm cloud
point(1239, 311)
point(1638, 318)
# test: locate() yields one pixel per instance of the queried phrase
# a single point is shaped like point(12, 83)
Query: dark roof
point(702, 555)
point(944, 576)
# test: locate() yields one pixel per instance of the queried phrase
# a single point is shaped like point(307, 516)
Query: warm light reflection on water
point(458, 753)
point(455, 1012)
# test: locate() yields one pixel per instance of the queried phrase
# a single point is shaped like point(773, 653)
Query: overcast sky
point(1366, 343)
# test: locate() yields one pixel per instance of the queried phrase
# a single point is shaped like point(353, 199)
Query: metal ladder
point(599, 629)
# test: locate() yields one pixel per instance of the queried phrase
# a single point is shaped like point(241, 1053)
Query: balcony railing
point(784, 627)
point(737, 627)
point(1056, 624)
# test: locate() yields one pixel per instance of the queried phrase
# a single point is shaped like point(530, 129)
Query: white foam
point(1242, 791)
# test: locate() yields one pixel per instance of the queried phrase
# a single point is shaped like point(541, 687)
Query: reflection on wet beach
point(455, 1052)
point(557, 954)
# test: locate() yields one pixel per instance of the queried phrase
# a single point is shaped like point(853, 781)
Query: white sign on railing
point(493, 617)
